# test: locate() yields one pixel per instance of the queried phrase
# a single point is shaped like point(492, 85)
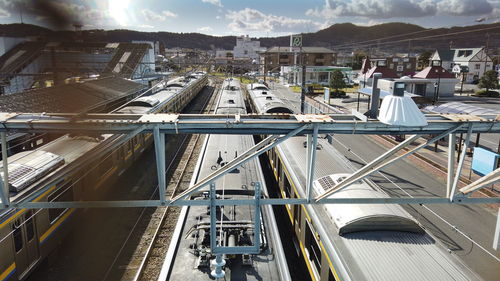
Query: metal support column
point(311, 160)
point(256, 231)
point(218, 262)
point(159, 139)
point(451, 195)
point(496, 237)
point(213, 217)
point(4, 188)
point(452, 138)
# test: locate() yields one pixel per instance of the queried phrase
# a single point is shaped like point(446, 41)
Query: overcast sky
point(254, 17)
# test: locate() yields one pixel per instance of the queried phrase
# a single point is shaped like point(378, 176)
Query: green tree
point(489, 80)
point(337, 80)
point(424, 58)
point(357, 60)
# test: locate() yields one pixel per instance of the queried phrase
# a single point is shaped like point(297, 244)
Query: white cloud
point(169, 14)
point(4, 13)
point(213, 2)
point(385, 9)
point(218, 17)
point(145, 26)
point(152, 16)
point(205, 29)
point(377, 9)
point(248, 20)
point(465, 7)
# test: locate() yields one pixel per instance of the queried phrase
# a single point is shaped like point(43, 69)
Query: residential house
point(476, 59)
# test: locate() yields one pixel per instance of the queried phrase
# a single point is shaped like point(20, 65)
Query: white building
point(475, 58)
point(247, 48)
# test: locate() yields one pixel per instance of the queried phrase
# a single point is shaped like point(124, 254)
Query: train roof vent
point(31, 166)
point(230, 101)
point(269, 98)
point(364, 217)
point(326, 182)
point(264, 92)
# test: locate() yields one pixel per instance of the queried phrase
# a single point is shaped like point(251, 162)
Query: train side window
point(296, 214)
point(18, 236)
point(30, 228)
point(313, 248)
point(287, 187)
point(63, 194)
point(330, 276)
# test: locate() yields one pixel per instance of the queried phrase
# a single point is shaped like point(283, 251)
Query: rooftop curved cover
point(266, 102)
point(364, 217)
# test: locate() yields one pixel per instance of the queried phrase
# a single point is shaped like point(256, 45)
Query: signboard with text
point(296, 42)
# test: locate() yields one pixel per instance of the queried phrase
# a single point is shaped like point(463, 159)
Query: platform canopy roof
point(460, 108)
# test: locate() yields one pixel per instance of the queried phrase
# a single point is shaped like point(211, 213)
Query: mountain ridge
point(340, 37)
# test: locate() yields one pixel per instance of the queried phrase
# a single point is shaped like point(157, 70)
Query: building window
point(408, 66)
point(478, 66)
point(399, 68)
point(391, 66)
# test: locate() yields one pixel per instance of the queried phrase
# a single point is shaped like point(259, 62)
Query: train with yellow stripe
point(348, 241)
point(81, 165)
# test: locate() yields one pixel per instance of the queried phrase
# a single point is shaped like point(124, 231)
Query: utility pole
point(486, 52)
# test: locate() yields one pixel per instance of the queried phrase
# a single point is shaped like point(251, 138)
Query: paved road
point(409, 178)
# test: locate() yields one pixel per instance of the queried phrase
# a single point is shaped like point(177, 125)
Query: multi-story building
point(274, 58)
point(476, 59)
point(401, 65)
point(247, 48)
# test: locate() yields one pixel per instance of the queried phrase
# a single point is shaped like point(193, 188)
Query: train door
point(25, 242)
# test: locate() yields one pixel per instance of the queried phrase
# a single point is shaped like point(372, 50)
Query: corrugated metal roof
point(460, 108)
point(386, 256)
point(375, 255)
point(70, 98)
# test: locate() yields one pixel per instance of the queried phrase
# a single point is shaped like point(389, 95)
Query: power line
point(423, 38)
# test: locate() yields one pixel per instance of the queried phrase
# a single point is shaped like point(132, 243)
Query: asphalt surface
point(448, 223)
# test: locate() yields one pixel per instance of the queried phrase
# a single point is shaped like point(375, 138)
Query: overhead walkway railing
point(279, 127)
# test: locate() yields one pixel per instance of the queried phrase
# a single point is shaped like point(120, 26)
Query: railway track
point(145, 263)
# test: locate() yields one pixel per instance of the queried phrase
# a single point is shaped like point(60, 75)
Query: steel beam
point(381, 162)
point(89, 159)
point(452, 139)
point(248, 155)
point(496, 237)
point(4, 187)
point(367, 168)
point(273, 201)
point(488, 179)
point(451, 195)
point(311, 161)
point(159, 140)
point(230, 124)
